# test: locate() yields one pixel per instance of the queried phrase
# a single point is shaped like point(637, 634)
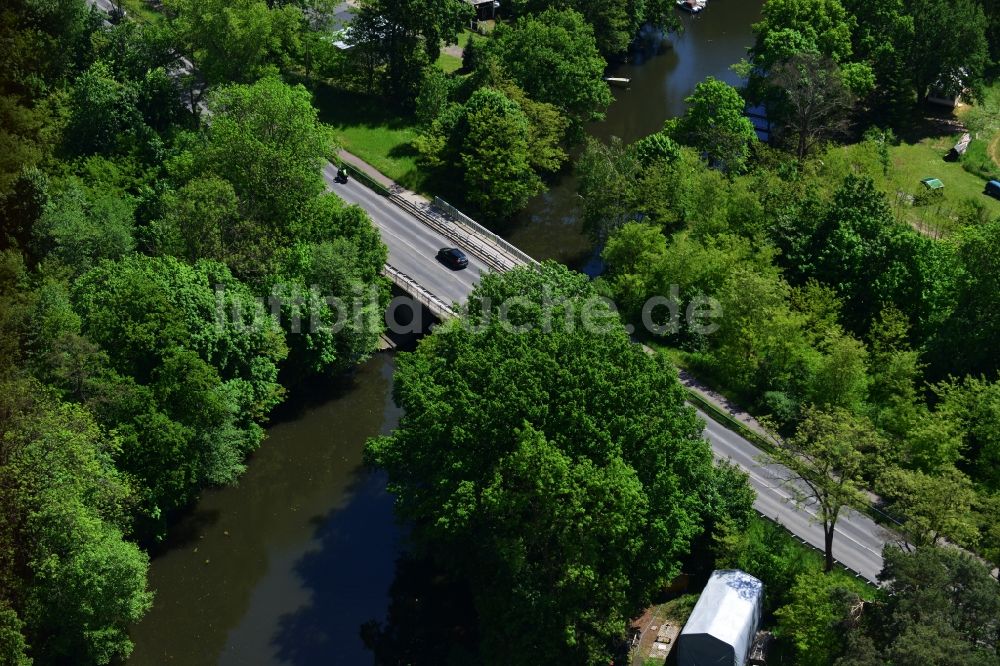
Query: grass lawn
point(909, 163)
point(139, 9)
point(913, 162)
point(448, 62)
point(369, 128)
point(450, 59)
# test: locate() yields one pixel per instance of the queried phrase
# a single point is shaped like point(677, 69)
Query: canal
point(283, 568)
point(551, 227)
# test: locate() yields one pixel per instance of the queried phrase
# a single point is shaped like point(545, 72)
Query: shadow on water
point(284, 567)
point(345, 579)
point(431, 620)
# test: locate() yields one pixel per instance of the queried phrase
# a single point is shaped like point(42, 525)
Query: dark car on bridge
point(452, 257)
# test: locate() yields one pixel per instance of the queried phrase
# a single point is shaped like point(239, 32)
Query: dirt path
point(454, 49)
point(993, 150)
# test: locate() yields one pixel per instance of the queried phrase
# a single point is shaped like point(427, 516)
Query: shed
point(724, 622)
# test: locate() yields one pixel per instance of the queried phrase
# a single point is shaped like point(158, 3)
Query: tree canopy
point(714, 124)
point(531, 456)
point(69, 583)
point(942, 607)
point(553, 57)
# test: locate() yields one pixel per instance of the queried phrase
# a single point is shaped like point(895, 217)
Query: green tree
point(933, 507)
point(265, 139)
point(895, 371)
point(797, 26)
point(562, 502)
point(816, 102)
point(405, 36)
point(80, 226)
point(971, 407)
point(13, 647)
point(607, 181)
point(496, 156)
point(619, 183)
point(201, 221)
point(870, 259)
point(435, 93)
point(193, 371)
point(941, 607)
point(104, 116)
point(812, 619)
point(949, 51)
point(714, 124)
point(234, 41)
point(266, 142)
point(333, 301)
point(45, 44)
point(824, 460)
point(963, 343)
point(615, 23)
point(840, 377)
point(74, 581)
point(881, 38)
point(553, 57)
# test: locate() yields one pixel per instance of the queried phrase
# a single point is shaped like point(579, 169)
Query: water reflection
point(550, 227)
point(286, 566)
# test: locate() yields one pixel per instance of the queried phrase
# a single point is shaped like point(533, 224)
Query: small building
point(947, 91)
point(723, 624)
point(485, 9)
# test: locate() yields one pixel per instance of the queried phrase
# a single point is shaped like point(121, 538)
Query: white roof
point(724, 620)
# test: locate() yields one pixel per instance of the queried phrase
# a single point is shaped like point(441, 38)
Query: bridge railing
point(481, 231)
point(457, 234)
point(438, 307)
point(370, 182)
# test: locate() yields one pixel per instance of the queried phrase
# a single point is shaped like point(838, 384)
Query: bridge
point(414, 229)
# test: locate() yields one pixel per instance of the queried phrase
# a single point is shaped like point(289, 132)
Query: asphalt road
point(412, 244)
point(412, 248)
point(858, 540)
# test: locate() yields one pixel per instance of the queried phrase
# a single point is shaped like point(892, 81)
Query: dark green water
point(550, 227)
point(285, 567)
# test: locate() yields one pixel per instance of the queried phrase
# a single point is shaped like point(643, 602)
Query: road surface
point(412, 244)
point(858, 541)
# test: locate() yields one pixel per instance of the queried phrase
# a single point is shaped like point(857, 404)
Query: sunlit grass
point(370, 128)
point(448, 62)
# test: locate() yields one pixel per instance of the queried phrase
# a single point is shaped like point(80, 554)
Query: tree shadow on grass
point(345, 108)
point(929, 121)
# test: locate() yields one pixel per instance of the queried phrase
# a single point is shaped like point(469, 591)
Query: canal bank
point(551, 226)
point(285, 567)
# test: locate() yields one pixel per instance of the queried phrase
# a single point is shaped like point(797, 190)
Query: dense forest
point(139, 362)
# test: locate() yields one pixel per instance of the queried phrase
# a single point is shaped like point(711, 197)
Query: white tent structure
point(723, 623)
